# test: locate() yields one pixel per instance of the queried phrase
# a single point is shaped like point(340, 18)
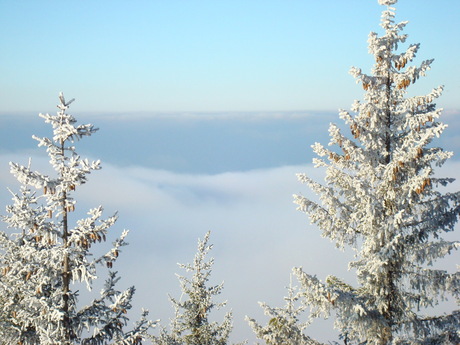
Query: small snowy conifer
point(284, 326)
point(382, 198)
point(44, 256)
point(190, 324)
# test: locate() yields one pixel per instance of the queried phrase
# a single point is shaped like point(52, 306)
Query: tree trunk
point(66, 266)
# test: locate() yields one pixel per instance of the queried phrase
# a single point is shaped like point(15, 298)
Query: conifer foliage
point(191, 324)
point(43, 255)
point(382, 198)
point(284, 326)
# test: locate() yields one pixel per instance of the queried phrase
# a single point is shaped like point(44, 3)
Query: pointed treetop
point(63, 102)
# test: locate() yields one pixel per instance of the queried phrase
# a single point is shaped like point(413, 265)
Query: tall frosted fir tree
point(381, 197)
point(191, 324)
point(41, 260)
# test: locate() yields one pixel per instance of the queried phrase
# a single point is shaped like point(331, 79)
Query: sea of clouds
point(258, 234)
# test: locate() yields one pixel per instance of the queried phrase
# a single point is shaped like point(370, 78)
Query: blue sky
point(206, 110)
point(237, 55)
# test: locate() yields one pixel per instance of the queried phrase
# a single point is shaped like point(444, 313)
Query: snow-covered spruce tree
point(382, 198)
point(43, 256)
point(190, 324)
point(284, 326)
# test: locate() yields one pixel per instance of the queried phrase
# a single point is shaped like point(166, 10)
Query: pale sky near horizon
point(238, 55)
point(240, 90)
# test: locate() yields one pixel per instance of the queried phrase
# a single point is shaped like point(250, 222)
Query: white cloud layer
point(258, 235)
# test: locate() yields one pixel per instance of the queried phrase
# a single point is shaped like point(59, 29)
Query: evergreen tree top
point(45, 254)
point(382, 198)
